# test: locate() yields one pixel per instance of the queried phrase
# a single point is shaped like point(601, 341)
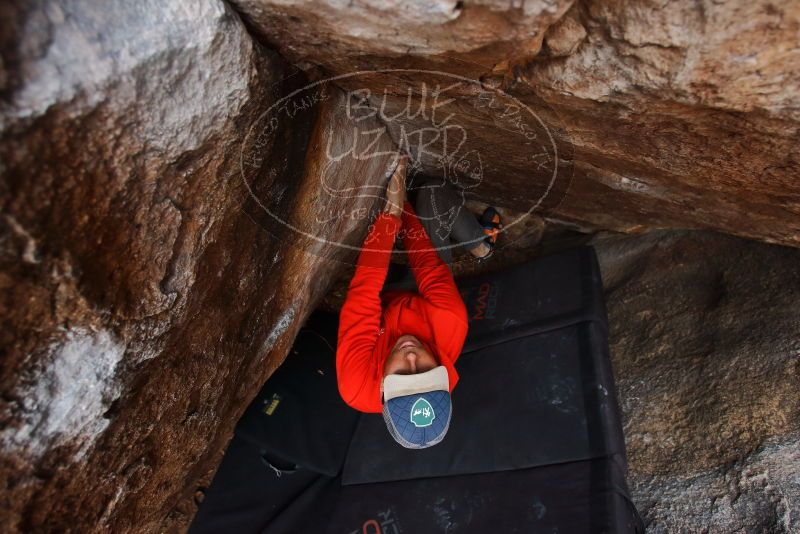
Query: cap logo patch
point(422, 413)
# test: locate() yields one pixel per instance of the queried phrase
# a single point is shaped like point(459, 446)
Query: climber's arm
point(360, 318)
point(433, 276)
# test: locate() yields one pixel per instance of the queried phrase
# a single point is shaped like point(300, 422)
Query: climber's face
point(409, 356)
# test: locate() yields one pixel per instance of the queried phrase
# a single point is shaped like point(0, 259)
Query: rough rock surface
point(706, 353)
point(681, 115)
point(145, 291)
point(329, 32)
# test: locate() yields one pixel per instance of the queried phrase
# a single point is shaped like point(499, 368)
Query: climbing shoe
point(492, 224)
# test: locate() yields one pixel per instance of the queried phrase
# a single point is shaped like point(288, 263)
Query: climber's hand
point(396, 190)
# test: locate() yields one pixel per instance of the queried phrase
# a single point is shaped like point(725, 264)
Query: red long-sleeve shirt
point(369, 325)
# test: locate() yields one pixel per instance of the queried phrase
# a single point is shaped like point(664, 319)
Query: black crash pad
point(559, 290)
point(298, 416)
point(535, 443)
point(588, 497)
point(249, 495)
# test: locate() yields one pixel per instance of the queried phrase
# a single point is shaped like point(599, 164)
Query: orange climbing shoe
point(492, 224)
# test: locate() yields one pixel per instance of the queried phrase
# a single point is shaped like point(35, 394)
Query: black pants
point(447, 221)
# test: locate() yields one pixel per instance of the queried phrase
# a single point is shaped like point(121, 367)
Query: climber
point(397, 347)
